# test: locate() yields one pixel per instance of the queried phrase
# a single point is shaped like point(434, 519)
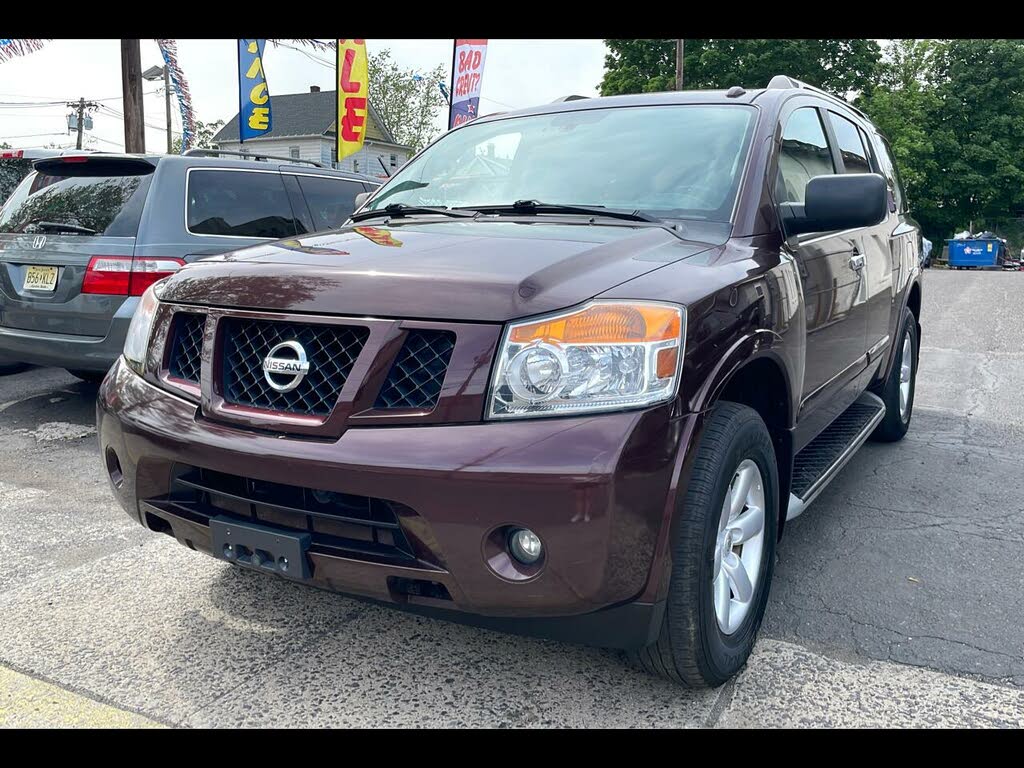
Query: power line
point(36, 135)
point(111, 112)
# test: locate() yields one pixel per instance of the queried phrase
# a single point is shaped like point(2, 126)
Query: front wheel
point(723, 553)
point(898, 391)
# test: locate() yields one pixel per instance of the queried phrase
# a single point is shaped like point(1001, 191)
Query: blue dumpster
point(975, 254)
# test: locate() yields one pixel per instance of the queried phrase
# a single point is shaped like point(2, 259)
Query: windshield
point(671, 162)
point(103, 205)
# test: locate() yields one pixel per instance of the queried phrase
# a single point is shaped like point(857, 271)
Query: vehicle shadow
point(372, 664)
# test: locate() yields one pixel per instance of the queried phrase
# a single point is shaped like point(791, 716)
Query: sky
point(518, 73)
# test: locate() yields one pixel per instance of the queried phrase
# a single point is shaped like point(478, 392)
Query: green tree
point(952, 110)
point(204, 136)
point(906, 107)
point(644, 65)
point(12, 171)
point(408, 103)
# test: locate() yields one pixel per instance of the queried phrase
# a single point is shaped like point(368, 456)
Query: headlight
point(136, 343)
point(606, 356)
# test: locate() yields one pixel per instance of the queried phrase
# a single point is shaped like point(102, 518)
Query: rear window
point(100, 205)
point(239, 204)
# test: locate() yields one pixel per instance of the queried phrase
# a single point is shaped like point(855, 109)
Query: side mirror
point(835, 202)
point(361, 199)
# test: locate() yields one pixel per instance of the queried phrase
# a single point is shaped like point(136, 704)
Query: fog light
point(525, 546)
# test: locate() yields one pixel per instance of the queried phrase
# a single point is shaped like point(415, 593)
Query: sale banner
point(467, 75)
point(353, 86)
point(254, 117)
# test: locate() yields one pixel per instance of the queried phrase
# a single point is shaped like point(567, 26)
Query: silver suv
point(85, 234)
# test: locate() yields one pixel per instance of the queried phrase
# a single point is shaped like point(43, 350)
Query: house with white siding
point(304, 128)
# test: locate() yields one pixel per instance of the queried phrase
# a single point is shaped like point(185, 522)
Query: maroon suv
point(568, 373)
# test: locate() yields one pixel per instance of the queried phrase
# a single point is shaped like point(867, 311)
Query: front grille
point(338, 523)
point(418, 372)
point(330, 349)
point(185, 359)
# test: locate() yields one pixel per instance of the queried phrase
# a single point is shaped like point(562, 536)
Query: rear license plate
point(40, 279)
point(260, 547)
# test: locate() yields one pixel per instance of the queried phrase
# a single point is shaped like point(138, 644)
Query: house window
point(293, 152)
point(394, 161)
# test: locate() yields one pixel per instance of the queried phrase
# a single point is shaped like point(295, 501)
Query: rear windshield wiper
point(56, 226)
point(535, 206)
point(396, 210)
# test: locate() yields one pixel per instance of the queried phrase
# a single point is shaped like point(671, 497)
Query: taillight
point(126, 276)
point(147, 271)
point(12, 154)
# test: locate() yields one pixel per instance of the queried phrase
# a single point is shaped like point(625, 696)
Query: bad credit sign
point(467, 76)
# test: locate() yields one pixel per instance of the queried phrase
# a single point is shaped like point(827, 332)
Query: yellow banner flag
point(353, 85)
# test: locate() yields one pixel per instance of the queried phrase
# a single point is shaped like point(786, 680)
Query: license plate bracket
point(40, 279)
point(260, 547)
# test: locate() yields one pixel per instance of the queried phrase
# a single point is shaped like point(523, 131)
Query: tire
point(692, 647)
point(896, 421)
point(92, 377)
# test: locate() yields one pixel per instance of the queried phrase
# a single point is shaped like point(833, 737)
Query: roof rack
point(570, 97)
point(780, 82)
point(253, 155)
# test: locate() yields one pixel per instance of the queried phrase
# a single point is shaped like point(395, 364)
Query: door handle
point(857, 262)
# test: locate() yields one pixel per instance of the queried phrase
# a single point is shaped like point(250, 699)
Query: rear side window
point(330, 201)
point(855, 156)
point(239, 204)
point(98, 205)
point(804, 155)
point(892, 175)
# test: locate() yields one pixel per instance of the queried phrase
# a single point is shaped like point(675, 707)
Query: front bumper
point(84, 353)
point(598, 490)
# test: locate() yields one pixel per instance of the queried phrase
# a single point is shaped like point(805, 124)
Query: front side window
point(331, 201)
point(804, 154)
point(239, 204)
point(855, 156)
point(680, 161)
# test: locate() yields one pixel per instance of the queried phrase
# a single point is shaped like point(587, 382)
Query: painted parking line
point(26, 702)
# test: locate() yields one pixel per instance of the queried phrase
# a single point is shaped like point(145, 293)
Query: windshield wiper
point(56, 226)
point(535, 206)
point(396, 210)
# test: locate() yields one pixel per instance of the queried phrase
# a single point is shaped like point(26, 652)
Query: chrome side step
point(821, 459)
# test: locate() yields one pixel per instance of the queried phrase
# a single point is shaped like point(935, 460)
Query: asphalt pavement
point(897, 598)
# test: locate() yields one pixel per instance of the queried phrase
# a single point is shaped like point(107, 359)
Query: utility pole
point(163, 73)
point(167, 105)
point(131, 89)
point(80, 106)
point(679, 65)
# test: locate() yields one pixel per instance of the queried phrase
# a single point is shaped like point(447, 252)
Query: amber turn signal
point(606, 324)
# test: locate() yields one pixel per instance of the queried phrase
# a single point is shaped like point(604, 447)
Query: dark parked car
point(568, 373)
point(85, 234)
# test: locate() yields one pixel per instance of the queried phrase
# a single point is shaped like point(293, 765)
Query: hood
point(458, 270)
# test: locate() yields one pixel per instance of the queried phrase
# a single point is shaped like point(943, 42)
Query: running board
point(821, 459)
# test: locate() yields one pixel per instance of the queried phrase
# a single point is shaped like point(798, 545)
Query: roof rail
point(570, 97)
point(780, 82)
point(253, 155)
